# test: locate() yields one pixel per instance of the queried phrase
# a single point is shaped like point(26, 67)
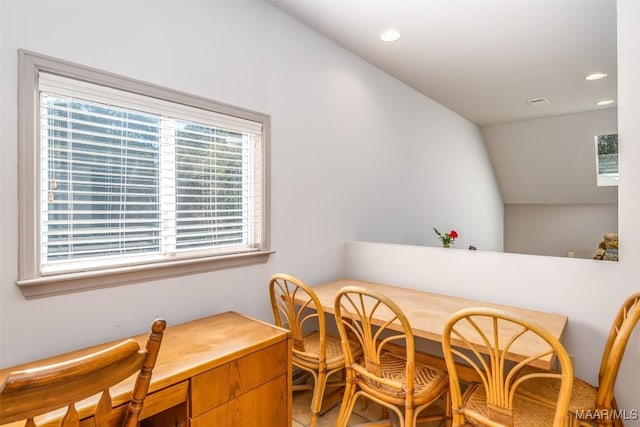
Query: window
point(607, 160)
point(124, 181)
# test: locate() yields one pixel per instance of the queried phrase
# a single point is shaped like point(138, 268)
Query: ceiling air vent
point(538, 102)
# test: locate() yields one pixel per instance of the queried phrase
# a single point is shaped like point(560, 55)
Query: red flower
point(448, 238)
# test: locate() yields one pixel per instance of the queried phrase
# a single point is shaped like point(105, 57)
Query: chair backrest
point(500, 332)
point(623, 324)
point(38, 391)
point(296, 308)
point(368, 316)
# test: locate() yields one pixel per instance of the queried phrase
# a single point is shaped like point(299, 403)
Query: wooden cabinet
point(238, 372)
point(227, 370)
point(255, 391)
point(263, 406)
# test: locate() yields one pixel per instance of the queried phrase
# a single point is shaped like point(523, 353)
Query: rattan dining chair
point(397, 382)
point(590, 404)
point(482, 338)
point(297, 308)
point(30, 393)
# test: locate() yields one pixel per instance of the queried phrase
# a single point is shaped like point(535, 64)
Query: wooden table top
point(187, 349)
point(428, 312)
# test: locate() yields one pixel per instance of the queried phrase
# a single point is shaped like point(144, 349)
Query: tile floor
point(302, 413)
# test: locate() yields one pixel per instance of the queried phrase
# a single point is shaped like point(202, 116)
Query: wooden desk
point(224, 370)
point(428, 312)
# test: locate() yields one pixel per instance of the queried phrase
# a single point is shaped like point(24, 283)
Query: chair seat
point(526, 412)
point(429, 381)
point(333, 350)
point(397, 382)
point(583, 394)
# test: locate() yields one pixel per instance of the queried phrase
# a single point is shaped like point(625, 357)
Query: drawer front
point(264, 406)
point(216, 417)
point(222, 384)
point(164, 399)
point(167, 400)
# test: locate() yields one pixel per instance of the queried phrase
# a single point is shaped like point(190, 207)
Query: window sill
point(82, 281)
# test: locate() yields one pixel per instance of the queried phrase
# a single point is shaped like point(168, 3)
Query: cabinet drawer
point(155, 403)
point(164, 399)
point(216, 417)
point(224, 383)
point(264, 406)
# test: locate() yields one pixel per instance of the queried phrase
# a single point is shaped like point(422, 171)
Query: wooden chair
point(39, 391)
point(297, 308)
point(396, 382)
point(495, 401)
point(591, 404)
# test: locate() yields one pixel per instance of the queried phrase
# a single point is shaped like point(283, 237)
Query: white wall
point(546, 170)
point(454, 188)
point(555, 229)
point(551, 159)
point(355, 155)
point(588, 292)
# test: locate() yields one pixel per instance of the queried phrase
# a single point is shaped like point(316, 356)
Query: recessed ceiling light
point(389, 35)
point(596, 76)
point(605, 102)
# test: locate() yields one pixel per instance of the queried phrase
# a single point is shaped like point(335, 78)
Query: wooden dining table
point(428, 313)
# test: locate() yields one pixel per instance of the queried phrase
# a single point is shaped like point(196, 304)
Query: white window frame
point(605, 179)
point(31, 280)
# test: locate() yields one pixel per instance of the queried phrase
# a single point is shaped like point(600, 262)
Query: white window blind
point(128, 179)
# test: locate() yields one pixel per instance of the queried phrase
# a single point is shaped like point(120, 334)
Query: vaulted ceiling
point(481, 58)
point(485, 59)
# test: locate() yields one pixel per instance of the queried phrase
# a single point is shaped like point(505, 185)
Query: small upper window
point(607, 160)
point(120, 177)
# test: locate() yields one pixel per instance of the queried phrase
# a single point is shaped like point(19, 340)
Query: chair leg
point(397, 413)
point(348, 401)
point(606, 423)
point(363, 404)
point(448, 412)
point(363, 401)
point(617, 422)
point(318, 394)
point(384, 412)
point(409, 419)
point(574, 421)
